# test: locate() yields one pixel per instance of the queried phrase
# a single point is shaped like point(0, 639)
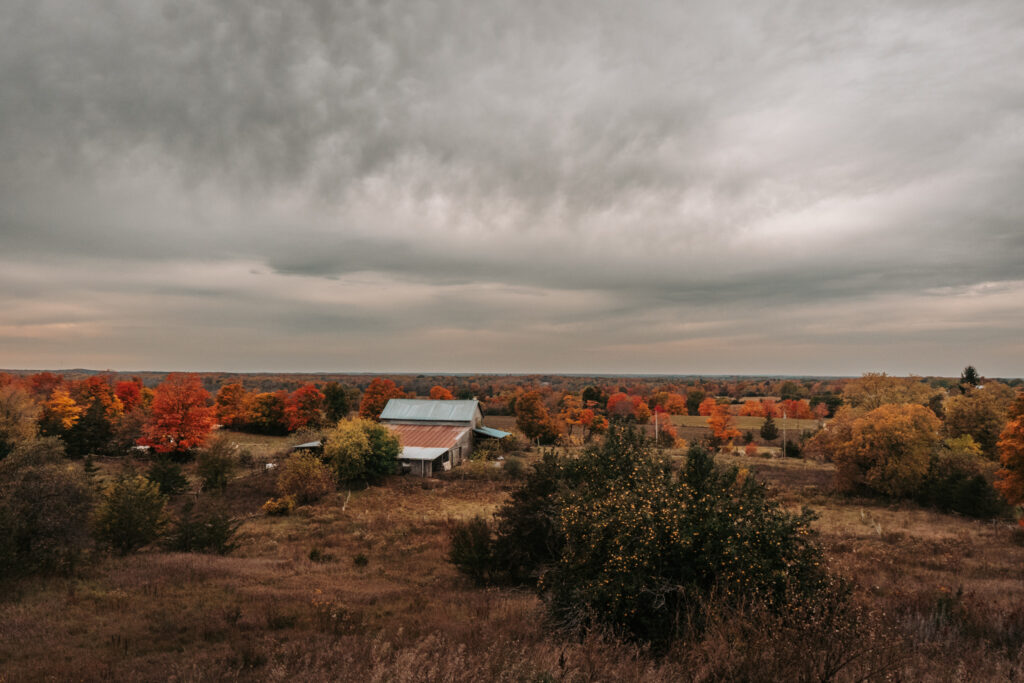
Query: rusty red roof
point(428, 436)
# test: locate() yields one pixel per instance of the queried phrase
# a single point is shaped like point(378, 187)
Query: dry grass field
point(357, 587)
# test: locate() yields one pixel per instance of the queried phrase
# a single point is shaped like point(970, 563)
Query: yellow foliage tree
point(887, 450)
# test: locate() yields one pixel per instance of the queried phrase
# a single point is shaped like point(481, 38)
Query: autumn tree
point(17, 418)
point(233, 405)
point(571, 413)
point(304, 408)
point(981, 413)
point(1011, 455)
point(376, 397)
point(675, 404)
point(267, 413)
point(887, 450)
point(630, 407)
point(875, 389)
point(60, 413)
point(129, 393)
point(707, 406)
point(533, 419)
point(181, 418)
point(722, 427)
point(439, 393)
point(336, 402)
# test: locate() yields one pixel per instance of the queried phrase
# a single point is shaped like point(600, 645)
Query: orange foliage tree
point(533, 419)
point(439, 393)
point(752, 409)
point(233, 405)
point(377, 396)
point(129, 393)
point(707, 406)
point(1010, 479)
point(721, 424)
point(181, 418)
point(629, 406)
point(571, 413)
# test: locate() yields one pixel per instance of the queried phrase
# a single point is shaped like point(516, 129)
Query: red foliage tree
point(377, 396)
point(439, 393)
point(181, 419)
point(533, 419)
point(304, 408)
point(129, 393)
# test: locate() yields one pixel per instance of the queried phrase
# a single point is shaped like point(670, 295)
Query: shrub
point(130, 514)
point(617, 539)
point(305, 478)
point(167, 475)
point(361, 451)
point(44, 510)
point(471, 548)
point(202, 532)
point(215, 464)
point(514, 468)
point(279, 506)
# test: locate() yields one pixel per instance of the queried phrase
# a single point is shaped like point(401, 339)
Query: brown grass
point(941, 598)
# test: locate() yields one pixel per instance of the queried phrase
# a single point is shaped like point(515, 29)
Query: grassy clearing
point(357, 587)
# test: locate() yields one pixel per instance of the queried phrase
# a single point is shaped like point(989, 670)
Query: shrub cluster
point(305, 478)
point(616, 538)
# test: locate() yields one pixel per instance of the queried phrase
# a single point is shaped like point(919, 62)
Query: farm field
point(357, 587)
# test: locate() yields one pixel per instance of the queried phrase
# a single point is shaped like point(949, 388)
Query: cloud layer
point(454, 186)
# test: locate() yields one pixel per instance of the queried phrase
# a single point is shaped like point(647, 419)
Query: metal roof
point(417, 409)
point(428, 436)
point(491, 432)
point(418, 453)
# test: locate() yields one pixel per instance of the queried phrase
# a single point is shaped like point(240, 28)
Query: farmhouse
point(436, 435)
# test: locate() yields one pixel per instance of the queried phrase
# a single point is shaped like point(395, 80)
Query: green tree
point(44, 510)
point(694, 397)
point(131, 514)
point(337, 403)
point(769, 430)
point(361, 451)
point(167, 475)
point(215, 464)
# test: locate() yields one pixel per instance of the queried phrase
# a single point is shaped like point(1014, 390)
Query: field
point(357, 587)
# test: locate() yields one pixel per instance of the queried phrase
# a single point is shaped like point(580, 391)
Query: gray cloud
point(513, 178)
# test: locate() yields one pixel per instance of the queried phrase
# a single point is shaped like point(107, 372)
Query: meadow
point(357, 587)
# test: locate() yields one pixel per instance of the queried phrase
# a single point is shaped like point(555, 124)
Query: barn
point(436, 435)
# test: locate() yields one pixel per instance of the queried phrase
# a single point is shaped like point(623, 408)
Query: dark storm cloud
point(532, 175)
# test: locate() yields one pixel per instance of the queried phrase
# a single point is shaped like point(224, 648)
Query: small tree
point(533, 419)
point(202, 531)
point(306, 478)
point(167, 475)
point(130, 514)
point(336, 402)
point(215, 464)
point(361, 451)
point(769, 430)
point(1011, 455)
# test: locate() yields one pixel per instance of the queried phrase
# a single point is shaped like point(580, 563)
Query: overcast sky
point(576, 186)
